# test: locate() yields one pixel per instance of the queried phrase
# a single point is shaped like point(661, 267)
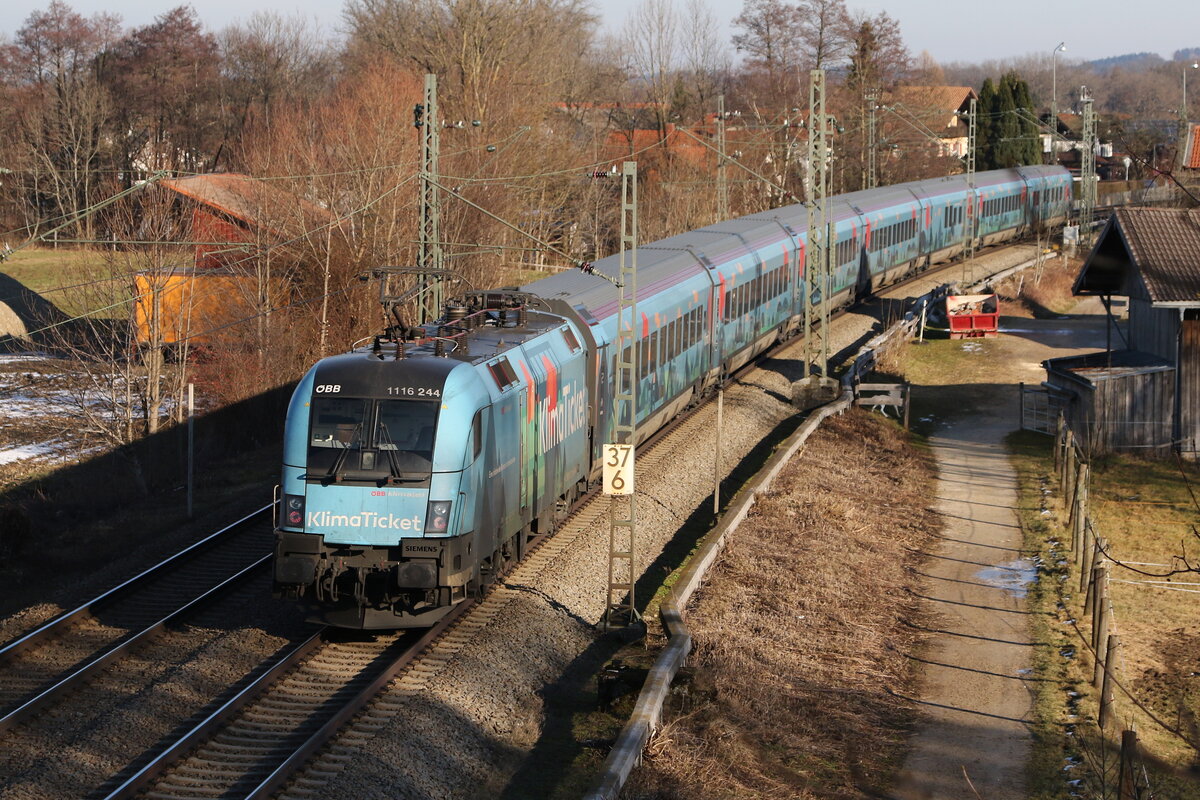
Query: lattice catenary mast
point(429, 246)
point(622, 510)
point(1087, 171)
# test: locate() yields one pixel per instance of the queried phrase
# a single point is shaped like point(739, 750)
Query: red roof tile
point(1192, 154)
point(252, 201)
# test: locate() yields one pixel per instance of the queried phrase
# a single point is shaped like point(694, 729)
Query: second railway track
point(70, 648)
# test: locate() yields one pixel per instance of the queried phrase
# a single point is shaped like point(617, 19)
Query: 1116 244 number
point(414, 391)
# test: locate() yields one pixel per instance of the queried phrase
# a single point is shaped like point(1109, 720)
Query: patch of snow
point(27, 451)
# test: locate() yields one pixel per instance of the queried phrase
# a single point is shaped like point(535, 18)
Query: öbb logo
point(327, 388)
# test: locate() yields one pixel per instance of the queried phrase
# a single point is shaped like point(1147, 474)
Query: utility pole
point(872, 99)
point(618, 456)
point(1054, 102)
point(429, 245)
point(1087, 171)
point(722, 178)
point(820, 242)
point(972, 207)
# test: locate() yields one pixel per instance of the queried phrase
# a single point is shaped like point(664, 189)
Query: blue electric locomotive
point(416, 469)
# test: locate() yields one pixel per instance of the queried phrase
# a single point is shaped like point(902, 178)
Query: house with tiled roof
point(941, 110)
point(1143, 393)
point(234, 221)
point(232, 213)
point(1191, 148)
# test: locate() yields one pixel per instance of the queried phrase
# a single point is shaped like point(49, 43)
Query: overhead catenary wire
point(264, 248)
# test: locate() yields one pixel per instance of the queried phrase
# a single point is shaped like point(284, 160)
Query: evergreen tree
point(984, 109)
point(1006, 128)
point(1030, 150)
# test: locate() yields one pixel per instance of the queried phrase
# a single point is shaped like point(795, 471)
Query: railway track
point(41, 666)
point(275, 733)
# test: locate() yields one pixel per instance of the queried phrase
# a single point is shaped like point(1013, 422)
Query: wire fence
point(1112, 769)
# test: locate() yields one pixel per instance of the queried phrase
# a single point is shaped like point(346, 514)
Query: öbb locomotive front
point(410, 479)
point(416, 469)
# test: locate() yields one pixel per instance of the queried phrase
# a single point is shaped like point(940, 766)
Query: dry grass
point(801, 631)
point(1044, 292)
point(1146, 511)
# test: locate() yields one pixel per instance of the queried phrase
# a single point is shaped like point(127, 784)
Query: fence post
point(907, 402)
point(1068, 475)
point(1086, 556)
point(1073, 510)
point(1058, 443)
point(1106, 689)
point(1099, 619)
point(1085, 499)
point(1126, 785)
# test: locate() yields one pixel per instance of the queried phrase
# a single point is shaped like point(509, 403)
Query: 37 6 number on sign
point(618, 469)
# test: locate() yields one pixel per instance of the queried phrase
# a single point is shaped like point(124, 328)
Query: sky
point(967, 30)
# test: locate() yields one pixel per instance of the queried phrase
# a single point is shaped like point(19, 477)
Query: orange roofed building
point(234, 219)
point(233, 214)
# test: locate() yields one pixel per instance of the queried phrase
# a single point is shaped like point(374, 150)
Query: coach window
point(477, 434)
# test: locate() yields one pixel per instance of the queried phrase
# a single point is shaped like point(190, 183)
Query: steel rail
point(60, 622)
point(48, 695)
point(203, 730)
point(301, 755)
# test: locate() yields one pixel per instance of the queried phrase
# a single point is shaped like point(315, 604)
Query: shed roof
point(252, 201)
point(1092, 368)
point(1158, 248)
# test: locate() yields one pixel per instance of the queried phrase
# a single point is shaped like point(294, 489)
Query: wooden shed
point(1152, 256)
point(1117, 402)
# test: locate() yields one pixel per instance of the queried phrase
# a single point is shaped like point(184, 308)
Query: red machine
point(973, 315)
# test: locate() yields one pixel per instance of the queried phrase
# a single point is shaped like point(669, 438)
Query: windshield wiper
point(396, 476)
point(334, 473)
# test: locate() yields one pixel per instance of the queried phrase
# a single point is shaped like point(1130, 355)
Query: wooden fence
point(1123, 777)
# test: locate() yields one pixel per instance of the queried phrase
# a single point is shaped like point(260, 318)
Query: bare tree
point(704, 64)
point(59, 110)
point(122, 385)
point(651, 41)
point(164, 77)
point(493, 57)
point(272, 59)
point(826, 33)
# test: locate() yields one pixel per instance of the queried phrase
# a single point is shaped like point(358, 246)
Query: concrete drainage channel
point(647, 713)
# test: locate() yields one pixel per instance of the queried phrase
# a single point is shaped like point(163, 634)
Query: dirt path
point(975, 670)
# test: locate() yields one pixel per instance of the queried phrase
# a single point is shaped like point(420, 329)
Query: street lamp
point(1054, 102)
point(1193, 65)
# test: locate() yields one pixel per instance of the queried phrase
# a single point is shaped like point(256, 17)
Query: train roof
point(489, 337)
point(668, 261)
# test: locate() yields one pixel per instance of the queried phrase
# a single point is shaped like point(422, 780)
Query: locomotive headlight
point(437, 519)
point(293, 510)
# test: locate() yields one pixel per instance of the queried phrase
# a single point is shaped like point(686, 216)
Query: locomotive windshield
point(374, 441)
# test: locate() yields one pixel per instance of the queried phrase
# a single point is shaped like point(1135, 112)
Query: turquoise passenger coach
point(416, 469)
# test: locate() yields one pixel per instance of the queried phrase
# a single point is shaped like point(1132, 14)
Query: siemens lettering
point(364, 519)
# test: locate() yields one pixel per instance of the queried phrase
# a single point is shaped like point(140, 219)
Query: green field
point(76, 282)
